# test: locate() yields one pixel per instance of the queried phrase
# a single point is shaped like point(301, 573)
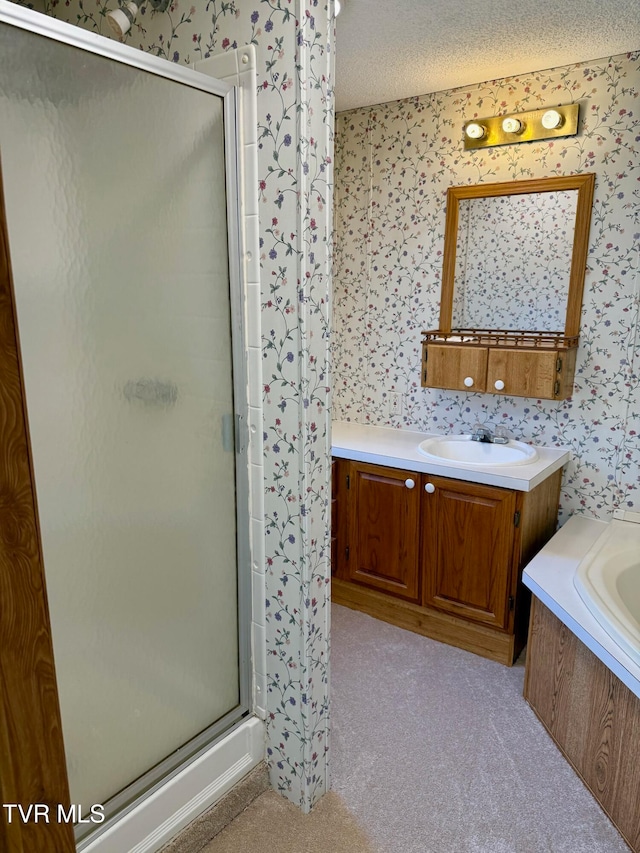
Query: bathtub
point(582, 674)
point(608, 581)
point(588, 575)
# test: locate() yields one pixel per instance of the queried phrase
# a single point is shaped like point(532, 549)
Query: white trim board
point(238, 68)
point(156, 819)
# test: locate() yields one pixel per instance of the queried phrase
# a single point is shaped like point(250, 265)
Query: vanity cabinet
point(439, 556)
point(487, 363)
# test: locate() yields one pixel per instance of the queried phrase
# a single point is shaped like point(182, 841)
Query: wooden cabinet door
point(448, 366)
point(467, 549)
point(384, 533)
point(335, 509)
point(339, 517)
point(523, 373)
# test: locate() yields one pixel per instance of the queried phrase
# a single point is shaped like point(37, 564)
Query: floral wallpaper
point(294, 49)
point(394, 163)
point(513, 260)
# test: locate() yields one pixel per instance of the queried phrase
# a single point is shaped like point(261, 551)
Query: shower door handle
point(241, 434)
point(233, 433)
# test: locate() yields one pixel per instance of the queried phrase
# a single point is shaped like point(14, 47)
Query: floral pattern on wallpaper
point(294, 44)
point(513, 260)
point(296, 147)
point(394, 163)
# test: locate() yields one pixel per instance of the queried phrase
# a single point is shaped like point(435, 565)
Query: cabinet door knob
point(409, 483)
point(468, 381)
point(429, 487)
point(498, 384)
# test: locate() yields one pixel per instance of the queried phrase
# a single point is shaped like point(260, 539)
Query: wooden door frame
point(33, 769)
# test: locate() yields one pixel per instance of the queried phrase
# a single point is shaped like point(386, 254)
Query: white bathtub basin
point(460, 448)
point(608, 581)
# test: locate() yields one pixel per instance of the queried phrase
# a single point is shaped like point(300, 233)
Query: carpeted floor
point(434, 750)
point(272, 824)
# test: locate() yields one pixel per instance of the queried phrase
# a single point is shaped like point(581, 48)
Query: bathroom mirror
point(515, 255)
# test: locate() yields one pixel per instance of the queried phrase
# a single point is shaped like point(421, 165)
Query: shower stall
point(121, 198)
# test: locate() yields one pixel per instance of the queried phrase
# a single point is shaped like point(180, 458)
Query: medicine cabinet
point(512, 281)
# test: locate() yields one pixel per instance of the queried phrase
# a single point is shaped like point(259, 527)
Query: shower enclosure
point(121, 205)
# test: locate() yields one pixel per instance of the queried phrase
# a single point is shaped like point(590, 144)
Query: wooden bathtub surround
point(591, 715)
point(32, 761)
point(445, 561)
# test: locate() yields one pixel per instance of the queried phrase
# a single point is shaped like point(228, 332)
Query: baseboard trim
point(164, 813)
point(197, 835)
point(453, 630)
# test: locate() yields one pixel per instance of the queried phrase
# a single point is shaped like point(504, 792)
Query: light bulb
point(551, 120)
point(475, 130)
point(511, 125)
point(338, 6)
point(120, 20)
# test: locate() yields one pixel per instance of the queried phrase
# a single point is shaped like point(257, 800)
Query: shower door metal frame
point(73, 36)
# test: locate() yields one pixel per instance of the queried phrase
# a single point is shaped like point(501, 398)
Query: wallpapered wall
point(294, 43)
point(394, 163)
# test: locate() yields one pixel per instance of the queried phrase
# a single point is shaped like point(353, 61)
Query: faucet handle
point(481, 433)
point(501, 435)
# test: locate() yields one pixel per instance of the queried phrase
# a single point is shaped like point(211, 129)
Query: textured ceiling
point(390, 49)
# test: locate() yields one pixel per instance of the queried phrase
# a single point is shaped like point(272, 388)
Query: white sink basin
point(460, 448)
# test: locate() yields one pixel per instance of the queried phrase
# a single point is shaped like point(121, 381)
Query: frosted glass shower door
point(116, 202)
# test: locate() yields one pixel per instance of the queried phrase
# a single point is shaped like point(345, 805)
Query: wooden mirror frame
point(584, 184)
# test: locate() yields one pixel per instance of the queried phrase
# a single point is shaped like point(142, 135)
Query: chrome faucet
point(481, 433)
point(484, 434)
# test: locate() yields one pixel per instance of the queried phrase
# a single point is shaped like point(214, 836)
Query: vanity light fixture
point(521, 127)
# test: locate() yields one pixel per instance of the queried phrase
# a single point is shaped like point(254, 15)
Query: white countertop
point(399, 449)
point(549, 576)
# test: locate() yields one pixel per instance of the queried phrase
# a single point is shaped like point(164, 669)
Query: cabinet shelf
point(502, 338)
point(510, 363)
